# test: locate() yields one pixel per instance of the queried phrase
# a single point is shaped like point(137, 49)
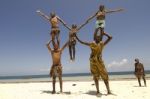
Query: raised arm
point(90, 18)
point(48, 46)
point(64, 46)
point(63, 23)
point(82, 25)
point(85, 43)
point(108, 38)
point(42, 14)
point(116, 10)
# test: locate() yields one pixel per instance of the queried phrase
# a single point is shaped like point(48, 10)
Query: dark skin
point(54, 21)
point(139, 69)
point(72, 39)
point(56, 58)
point(97, 41)
point(100, 15)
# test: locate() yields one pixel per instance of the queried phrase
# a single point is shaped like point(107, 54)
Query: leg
point(70, 51)
point(107, 86)
point(101, 33)
point(58, 38)
point(95, 33)
point(96, 84)
point(139, 81)
point(144, 80)
point(53, 84)
point(74, 51)
point(60, 82)
point(53, 38)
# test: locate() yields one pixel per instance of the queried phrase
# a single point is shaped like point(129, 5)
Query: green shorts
point(100, 24)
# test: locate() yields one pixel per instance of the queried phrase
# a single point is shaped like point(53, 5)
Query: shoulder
point(141, 64)
point(60, 50)
point(92, 44)
point(101, 43)
point(57, 17)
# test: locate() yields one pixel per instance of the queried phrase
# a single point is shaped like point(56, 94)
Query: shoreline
point(67, 79)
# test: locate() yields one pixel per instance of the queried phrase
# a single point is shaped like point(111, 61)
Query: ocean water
point(129, 75)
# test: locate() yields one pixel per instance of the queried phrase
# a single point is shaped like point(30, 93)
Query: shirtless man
point(96, 62)
point(56, 69)
point(100, 19)
point(139, 72)
point(54, 21)
point(72, 39)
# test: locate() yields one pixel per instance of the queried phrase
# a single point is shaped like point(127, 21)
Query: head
point(74, 26)
point(52, 14)
point(97, 39)
point(56, 47)
point(137, 60)
point(101, 7)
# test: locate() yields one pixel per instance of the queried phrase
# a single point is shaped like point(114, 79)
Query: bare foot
point(98, 94)
point(61, 92)
point(109, 93)
point(53, 92)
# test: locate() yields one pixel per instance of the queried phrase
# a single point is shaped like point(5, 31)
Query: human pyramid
point(96, 63)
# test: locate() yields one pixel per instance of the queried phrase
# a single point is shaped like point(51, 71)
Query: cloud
point(118, 64)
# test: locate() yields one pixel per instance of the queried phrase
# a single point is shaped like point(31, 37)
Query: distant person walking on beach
point(139, 71)
point(96, 63)
point(56, 69)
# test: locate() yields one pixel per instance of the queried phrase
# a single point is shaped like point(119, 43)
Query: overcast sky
point(23, 35)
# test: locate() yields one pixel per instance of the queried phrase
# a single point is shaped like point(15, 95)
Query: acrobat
point(96, 63)
point(56, 68)
point(54, 21)
point(72, 39)
point(100, 19)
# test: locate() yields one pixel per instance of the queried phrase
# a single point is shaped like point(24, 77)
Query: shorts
point(55, 31)
point(100, 24)
point(56, 71)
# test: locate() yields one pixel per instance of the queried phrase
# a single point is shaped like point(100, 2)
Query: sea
point(126, 75)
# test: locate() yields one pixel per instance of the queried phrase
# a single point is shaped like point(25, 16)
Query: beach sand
point(74, 90)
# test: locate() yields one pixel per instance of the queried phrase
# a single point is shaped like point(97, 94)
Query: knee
point(95, 78)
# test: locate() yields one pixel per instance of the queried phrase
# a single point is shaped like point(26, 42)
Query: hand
point(38, 11)
point(103, 33)
point(48, 42)
point(110, 37)
point(120, 9)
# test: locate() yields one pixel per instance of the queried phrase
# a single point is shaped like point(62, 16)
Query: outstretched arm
point(111, 11)
point(63, 23)
point(90, 18)
point(48, 46)
point(85, 43)
point(42, 14)
point(64, 46)
point(82, 25)
point(108, 38)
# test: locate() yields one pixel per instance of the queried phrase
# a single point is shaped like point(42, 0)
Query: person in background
point(139, 72)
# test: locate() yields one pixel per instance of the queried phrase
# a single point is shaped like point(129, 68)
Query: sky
point(23, 35)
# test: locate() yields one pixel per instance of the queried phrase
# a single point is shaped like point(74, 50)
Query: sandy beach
point(74, 90)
